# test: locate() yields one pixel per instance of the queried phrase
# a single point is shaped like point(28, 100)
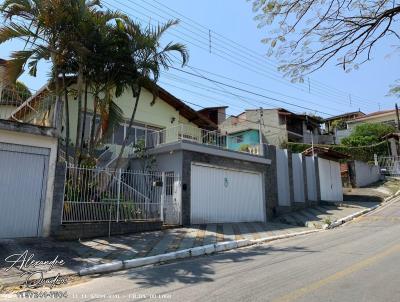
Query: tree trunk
point(121, 152)
point(92, 129)
point(84, 121)
point(66, 120)
point(79, 121)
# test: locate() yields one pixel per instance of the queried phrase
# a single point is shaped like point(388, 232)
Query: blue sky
point(232, 27)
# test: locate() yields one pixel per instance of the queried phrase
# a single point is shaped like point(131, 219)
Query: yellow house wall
point(160, 114)
point(377, 119)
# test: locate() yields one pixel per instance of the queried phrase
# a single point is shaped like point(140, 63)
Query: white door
point(330, 180)
point(225, 195)
point(22, 189)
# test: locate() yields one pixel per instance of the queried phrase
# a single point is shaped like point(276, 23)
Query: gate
point(389, 165)
point(105, 195)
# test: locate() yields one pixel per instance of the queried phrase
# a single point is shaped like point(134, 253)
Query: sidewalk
point(83, 254)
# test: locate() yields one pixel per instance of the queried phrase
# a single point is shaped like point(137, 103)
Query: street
point(357, 262)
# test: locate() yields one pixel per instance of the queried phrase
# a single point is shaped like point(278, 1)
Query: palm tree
point(54, 30)
point(147, 58)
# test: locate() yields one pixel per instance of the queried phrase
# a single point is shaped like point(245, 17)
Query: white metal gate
point(220, 194)
point(23, 177)
point(101, 195)
point(298, 177)
point(172, 202)
point(330, 180)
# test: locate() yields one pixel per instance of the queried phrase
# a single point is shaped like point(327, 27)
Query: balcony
point(195, 135)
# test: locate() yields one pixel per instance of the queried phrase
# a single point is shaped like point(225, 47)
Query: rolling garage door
point(225, 195)
point(23, 173)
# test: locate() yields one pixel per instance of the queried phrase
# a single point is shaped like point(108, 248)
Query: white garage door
point(22, 185)
point(225, 195)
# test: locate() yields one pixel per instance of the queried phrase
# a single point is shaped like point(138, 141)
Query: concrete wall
point(27, 135)
point(282, 166)
point(298, 178)
point(363, 174)
point(311, 179)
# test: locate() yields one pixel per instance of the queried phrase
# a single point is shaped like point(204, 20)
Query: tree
point(147, 60)
point(310, 33)
point(367, 134)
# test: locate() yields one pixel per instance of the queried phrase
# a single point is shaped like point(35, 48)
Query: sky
point(247, 79)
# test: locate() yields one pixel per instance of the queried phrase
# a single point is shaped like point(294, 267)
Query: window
point(119, 135)
point(169, 186)
point(238, 139)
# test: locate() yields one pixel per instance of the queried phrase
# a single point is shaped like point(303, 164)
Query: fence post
point(118, 193)
point(163, 193)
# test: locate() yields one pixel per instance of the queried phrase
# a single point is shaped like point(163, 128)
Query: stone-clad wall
point(190, 156)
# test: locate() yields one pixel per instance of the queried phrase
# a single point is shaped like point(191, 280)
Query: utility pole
point(397, 117)
point(261, 113)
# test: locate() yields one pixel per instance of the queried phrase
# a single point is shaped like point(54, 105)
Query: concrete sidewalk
point(325, 213)
point(84, 254)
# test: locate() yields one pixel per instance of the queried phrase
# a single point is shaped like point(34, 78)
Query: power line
point(248, 50)
point(228, 56)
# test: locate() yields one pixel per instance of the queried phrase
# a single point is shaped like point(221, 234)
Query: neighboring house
point(384, 116)
point(10, 96)
point(338, 122)
point(216, 114)
point(277, 126)
point(336, 126)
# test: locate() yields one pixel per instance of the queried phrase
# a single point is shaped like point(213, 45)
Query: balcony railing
point(19, 106)
point(192, 134)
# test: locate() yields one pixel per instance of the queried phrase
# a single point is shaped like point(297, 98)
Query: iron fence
point(99, 195)
point(389, 165)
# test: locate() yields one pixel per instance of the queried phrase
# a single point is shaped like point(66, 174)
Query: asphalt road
point(356, 262)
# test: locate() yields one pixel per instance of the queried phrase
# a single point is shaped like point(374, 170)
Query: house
point(152, 117)
point(215, 114)
point(383, 116)
point(276, 126)
point(338, 122)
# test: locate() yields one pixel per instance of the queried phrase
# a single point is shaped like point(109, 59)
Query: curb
point(341, 221)
point(187, 253)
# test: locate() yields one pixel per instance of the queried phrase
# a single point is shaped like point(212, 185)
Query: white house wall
point(26, 139)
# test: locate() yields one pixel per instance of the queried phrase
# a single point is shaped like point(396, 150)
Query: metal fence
point(19, 106)
point(100, 195)
point(189, 133)
point(389, 165)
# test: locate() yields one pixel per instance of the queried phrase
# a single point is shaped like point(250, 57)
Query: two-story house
point(346, 123)
point(270, 126)
point(337, 125)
